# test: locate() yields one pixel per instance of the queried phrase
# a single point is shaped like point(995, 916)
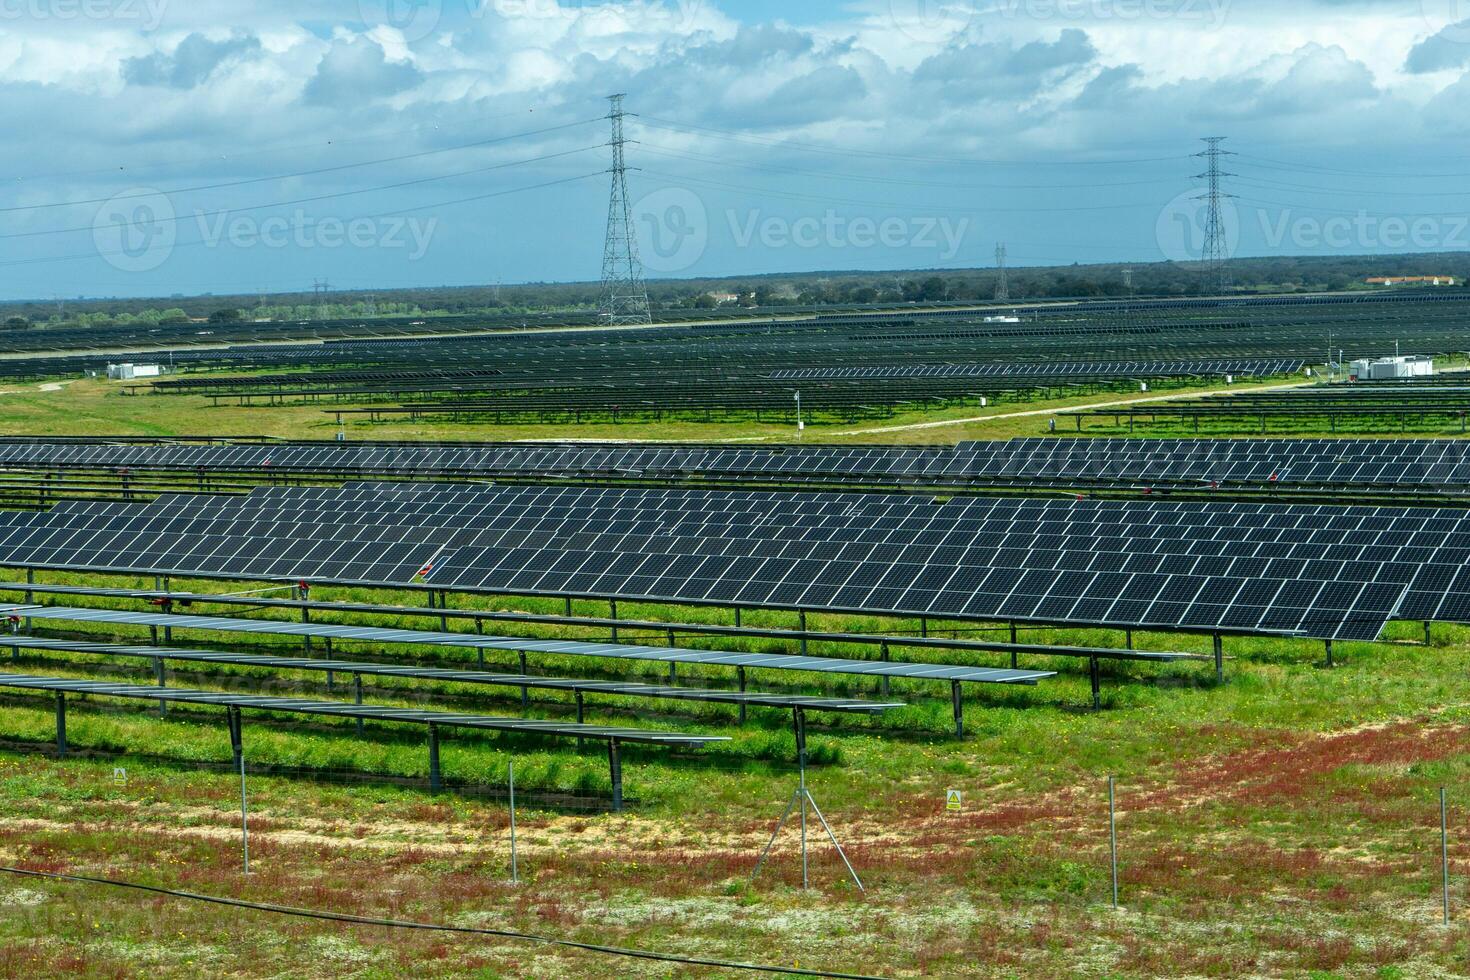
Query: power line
point(381, 214)
point(1091, 185)
point(910, 206)
point(688, 128)
point(261, 149)
point(364, 920)
point(300, 173)
point(225, 212)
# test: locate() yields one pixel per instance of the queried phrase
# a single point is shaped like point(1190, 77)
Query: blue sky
point(158, 146)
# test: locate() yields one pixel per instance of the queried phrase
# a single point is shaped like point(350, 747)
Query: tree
point(17, 323)
point(225, 316)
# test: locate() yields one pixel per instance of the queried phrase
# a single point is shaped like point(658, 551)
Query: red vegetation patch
point(1289, 768)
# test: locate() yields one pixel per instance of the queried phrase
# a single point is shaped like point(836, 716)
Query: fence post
point(1113, 833)
point(1444, 851)
point(515, 878)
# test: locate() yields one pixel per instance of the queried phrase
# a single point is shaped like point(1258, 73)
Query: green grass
point(1280, 824)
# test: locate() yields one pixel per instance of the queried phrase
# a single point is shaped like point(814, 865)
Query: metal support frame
point(884, 682)
point(612, 605)
point(1426, 633)
point(1331, 660)
point(801, 617)
point(525, 692)
point(957, 701)
point(802, 797)
point(1220, 657)
point(1094, 674)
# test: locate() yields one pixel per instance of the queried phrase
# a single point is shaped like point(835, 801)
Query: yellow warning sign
point(953, 800)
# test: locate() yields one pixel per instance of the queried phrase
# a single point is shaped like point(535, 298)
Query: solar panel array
point(1437, 463)
point(1054, 369)
point(1335, 572)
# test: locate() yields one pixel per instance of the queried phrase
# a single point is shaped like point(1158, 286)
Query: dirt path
point(1066, 410)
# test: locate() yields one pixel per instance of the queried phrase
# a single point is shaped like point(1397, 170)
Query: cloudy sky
point(161, 146)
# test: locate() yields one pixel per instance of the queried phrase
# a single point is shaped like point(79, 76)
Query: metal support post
point(1013, 631)
point(1113, 833)
point(1094, 675)
point(525, 694)
point(1330, 661)
point(615, 770)
point(515, 876)
point(244, 800)
point(436, 783)
point(959, 709)
point(1220, 658)
point(357, 698)
point(158, 673)
point(1444, 851)
point(740, 676)
point(883, 655)
point(802, 616)
point(613, 614)
point(60, 723)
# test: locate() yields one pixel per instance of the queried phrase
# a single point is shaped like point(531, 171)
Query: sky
point(158, 147)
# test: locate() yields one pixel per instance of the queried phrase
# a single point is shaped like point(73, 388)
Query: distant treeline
point(1168, 279)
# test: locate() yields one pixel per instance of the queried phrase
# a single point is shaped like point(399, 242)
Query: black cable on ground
point(364, 920)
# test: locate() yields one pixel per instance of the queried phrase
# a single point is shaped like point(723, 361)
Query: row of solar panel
point(848, 551)
point(1053, 369)
point(1321, 462)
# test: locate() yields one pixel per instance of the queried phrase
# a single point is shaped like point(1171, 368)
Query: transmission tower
point(1002, 287)
point(1128, 282)
point(1215, 253)
point(320, 288)
point(624, 297)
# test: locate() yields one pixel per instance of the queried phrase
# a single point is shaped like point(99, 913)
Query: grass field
point(92, 407)
point(1284, 823)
